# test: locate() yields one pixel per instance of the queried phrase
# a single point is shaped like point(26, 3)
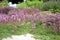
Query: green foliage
point(21, 5)
point(50, 6)
point(49, 0)
point(1, 4)
point(28, 3)
point(33, 3)
point(53, 11)
point(4, 3)
point(9, 29)
point(40, 34)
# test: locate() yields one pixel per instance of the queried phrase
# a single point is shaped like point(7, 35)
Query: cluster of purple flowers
point(9, 14)
point(53, 21)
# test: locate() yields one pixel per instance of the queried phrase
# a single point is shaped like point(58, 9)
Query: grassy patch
point(8, 30)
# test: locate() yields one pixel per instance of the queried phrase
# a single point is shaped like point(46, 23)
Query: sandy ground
point(20, 37)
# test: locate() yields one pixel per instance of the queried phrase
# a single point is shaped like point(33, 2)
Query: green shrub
point(4, 3)
point(47, 6)
point(1, 4)
point(33, 3)
point(28, 3)
point(21, 5)
point(49, 0)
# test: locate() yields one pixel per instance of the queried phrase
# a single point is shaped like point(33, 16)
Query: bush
point(21, 5)
point(28, 3)
point(5, 9)
point(33, 3)
point(21, 15)
point(4, 3)
point(53, 22)
point(1, 4)
point(25, 13)
point(50, 6)
point(50, 0)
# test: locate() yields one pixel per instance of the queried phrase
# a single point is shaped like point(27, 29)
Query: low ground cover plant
point(31, 15)
point(28, 19)
point(53, 22)
point(19, 15)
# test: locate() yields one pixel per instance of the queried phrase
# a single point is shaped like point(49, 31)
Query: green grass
point(8, 30)
point(41, 35)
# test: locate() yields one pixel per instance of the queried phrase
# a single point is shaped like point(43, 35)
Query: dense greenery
point(8, 30)
point(53, 6)
point(49, 0)
point(28, 3)
point(4, 3)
